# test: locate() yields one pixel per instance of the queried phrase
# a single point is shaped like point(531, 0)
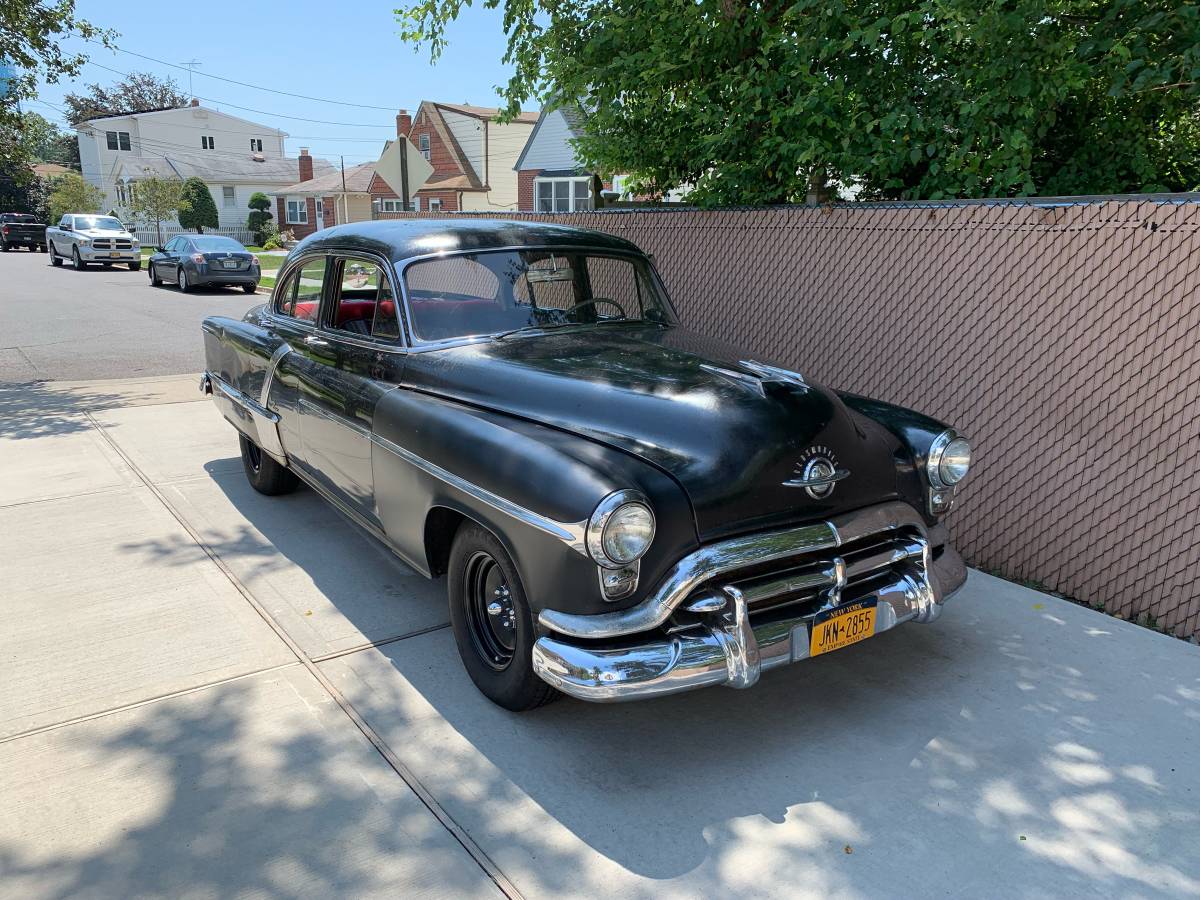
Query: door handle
point(313, 341)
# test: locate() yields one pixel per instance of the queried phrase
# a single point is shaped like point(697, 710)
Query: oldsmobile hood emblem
point(817, 472)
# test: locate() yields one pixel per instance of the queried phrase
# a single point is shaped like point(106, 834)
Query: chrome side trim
point(716, 559)
point(246, 403)
point(315, 409)
point(573, 534)
point(280, 352)
point(261, 424)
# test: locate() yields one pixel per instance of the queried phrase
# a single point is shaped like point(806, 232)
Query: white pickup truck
point(85, 238)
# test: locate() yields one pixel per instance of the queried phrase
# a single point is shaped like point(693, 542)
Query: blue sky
point(349, 52)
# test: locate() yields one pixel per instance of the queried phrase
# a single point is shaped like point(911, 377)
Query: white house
point(235, 157)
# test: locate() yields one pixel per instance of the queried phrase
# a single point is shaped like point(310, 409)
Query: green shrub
point(201, 209)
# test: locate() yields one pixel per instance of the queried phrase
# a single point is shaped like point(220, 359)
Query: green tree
point(136, 92)
point(32, 37)
point(156, 200)
point(197, 208)
point(71, 194)
point(39, 135)
point(260, 217)
point(769, 102)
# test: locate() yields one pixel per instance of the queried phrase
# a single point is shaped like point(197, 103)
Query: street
point(99, 323)
point(209, 692)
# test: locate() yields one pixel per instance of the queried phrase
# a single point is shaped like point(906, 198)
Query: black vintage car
point(622, 507)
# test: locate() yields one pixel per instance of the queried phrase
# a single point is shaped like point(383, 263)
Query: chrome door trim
point(269, 378)
point(570, 533)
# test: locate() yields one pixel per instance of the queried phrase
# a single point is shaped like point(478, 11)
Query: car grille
point(803, 585)
point(112, 244)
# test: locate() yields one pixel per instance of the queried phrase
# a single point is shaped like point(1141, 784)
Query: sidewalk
point(208, 692)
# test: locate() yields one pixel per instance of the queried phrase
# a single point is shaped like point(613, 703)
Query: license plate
point(230, 264)
point(842, 626)
point(114, 254)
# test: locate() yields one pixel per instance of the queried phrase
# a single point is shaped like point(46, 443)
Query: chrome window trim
point(716, 559)
point(286, 272)
point(420, 345)
point(570, 533)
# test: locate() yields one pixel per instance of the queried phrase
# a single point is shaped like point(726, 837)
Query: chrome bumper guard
point(887, 556)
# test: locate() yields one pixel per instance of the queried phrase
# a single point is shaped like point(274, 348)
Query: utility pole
point(191, 67)
point(345, 202)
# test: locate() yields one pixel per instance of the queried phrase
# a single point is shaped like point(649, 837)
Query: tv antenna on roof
point(191, 67)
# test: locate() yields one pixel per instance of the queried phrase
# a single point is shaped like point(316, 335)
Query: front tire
point(77, 260)
point(135, 266)
point(181, 279)
point(155, 281)
point(264, 474)
point(55, 259)
point(492, 622)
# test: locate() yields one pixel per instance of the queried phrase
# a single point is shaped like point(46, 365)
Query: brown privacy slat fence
point(1063, 339)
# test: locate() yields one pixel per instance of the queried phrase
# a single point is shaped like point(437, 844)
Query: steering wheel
point(595, 301)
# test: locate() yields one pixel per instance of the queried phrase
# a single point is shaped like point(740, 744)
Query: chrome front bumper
point(91, 254)
point(729, 649)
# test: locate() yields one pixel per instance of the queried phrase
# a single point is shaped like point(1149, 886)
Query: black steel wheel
point(264, 474)
point(492, 621)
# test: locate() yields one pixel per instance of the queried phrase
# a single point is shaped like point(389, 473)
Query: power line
point(246, 84)
point(261, 112)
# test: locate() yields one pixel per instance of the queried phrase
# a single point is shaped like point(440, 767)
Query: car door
point(366, 356)
point(158, 262)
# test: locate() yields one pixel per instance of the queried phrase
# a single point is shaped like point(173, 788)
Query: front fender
point(533, 486)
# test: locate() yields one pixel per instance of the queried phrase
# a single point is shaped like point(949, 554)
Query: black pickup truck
point(22, 230)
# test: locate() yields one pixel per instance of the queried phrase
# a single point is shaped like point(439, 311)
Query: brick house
point(330, 199)
point(472, 156)
point(550, 177)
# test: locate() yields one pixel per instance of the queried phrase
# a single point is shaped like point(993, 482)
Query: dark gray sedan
point(196, 260)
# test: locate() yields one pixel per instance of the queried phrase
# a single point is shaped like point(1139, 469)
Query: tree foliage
point(136, 92)
point(31, 41)
point(156, 200)
point(72, 194)
point(761, 102)
point(197, 208)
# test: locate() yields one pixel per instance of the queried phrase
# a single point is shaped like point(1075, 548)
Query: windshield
point(98, 223)
point(514, 290)
point(214, 243)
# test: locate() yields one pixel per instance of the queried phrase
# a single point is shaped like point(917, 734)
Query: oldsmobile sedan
point(622, 507)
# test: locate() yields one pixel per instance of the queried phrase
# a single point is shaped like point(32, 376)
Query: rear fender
point(240, 359)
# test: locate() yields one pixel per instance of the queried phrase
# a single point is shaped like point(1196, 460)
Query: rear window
point(215, 243)
point(18, 218)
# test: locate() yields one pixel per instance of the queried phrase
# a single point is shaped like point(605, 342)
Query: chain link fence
point(1063, 337)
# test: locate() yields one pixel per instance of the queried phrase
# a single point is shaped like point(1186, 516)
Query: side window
point(364, 302)
point(301, 296)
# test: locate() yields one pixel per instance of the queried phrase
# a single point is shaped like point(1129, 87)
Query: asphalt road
point(59, 324)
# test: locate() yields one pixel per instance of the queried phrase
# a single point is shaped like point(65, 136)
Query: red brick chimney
point(195, 102)
point(306, 172)
point(403, 123)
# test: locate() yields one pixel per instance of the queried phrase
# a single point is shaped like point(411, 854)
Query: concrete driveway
point(211, 693)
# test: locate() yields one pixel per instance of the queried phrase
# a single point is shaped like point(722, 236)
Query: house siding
point(551, 148)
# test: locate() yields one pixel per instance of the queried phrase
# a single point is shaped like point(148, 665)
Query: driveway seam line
point(370, 645)
point(376, 740)
point(146, 701)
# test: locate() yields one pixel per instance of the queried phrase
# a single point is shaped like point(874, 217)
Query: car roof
point(400, 239)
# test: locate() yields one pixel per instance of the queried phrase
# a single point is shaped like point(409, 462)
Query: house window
point(297, 211)
point(117, 140)
point(206, 142)
point(256, 145)
point(386, 205)
point(230, 197)
point(423, 143)
point(563, 194)
point(435, 204)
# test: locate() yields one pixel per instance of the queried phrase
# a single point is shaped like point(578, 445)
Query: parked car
point(195, 260)
point(21, 230)
point(623, 507)
point(86, 238)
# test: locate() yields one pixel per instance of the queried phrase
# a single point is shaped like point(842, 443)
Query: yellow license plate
point(842, 626)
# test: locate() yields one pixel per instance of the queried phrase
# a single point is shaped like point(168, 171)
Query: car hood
point(96, 232)
point(684, 402)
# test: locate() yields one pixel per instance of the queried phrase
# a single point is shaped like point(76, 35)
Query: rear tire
point(264, 474)
point(55, 259)
point(496, 649)
point(181, 280)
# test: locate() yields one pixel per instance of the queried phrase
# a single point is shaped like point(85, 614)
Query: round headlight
point(620, 530)
point(949, 460)
point(628, 534)
point(955, 461)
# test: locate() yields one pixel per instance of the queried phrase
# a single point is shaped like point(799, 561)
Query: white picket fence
point(149, 234)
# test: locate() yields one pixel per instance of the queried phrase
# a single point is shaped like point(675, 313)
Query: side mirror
point(65, 228)
point(159, 250)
